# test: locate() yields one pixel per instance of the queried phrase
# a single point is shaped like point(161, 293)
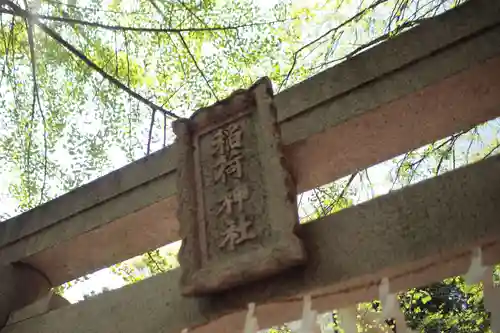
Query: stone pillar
point(20, 285)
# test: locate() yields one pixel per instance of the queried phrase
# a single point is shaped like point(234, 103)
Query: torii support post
point(437, 79)
point(20, 285)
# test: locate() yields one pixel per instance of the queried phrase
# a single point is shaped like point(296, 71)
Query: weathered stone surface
point(237, 204)
point(20, 285)
point(50, 301)
point(349, 253)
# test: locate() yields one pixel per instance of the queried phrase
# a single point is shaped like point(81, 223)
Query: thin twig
point(36, 95)
point(150, 136)
point(164, 130)
point(198, 67)
point(129, 116)
point(89, 62)
point(155, 262)
point(448, 149)
point(335, 29)
point(471, 142)
point(398, 170)
point(415, 165)
point(199, 19)
point(116, 57)
point(491, 151)
point(158, 9)
point(370, 184)
point(94, 9)
point(74, 21)
point(29, 29)
point(371, 43)
point(342, 194)
point(6, 43)
point(323, 211)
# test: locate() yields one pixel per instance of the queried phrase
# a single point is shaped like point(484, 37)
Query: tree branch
point(73, 21)
point(370, 184)
point(323, 211)
point(342, 193)
point(36, 98)
point(443, 155)
point(156, 263)
point(30, 125)
point(8, 41)
point(491, 151)
point(198, 67)
point(150, 136)
point(398, 169)
point(333, 30)
point(164, 131)
point(89, 62)
point(158, 9)
point(199, 19)
point(371, 43)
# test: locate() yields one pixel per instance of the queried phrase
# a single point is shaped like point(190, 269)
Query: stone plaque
point(237, 201)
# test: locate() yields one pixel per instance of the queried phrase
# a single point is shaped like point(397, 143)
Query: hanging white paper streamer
point(348, 319)
point(493, 307)
point(391, 308)
point(476, 273)
point(386, 298)
point(491, 300)
point(308, 322)
point(476, 270)
point(251, 325)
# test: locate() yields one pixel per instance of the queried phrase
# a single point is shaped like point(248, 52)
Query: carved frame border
point(198, 275)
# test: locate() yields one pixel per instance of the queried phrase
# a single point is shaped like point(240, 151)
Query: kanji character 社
point(236, 233)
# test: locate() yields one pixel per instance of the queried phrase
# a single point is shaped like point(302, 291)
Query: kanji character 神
point(236, 196)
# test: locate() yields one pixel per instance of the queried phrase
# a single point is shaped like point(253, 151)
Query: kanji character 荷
point(224, 167)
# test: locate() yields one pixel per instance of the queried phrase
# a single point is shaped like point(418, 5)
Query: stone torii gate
point(429, 82)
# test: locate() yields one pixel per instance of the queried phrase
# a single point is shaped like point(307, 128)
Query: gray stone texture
point(413, 236)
